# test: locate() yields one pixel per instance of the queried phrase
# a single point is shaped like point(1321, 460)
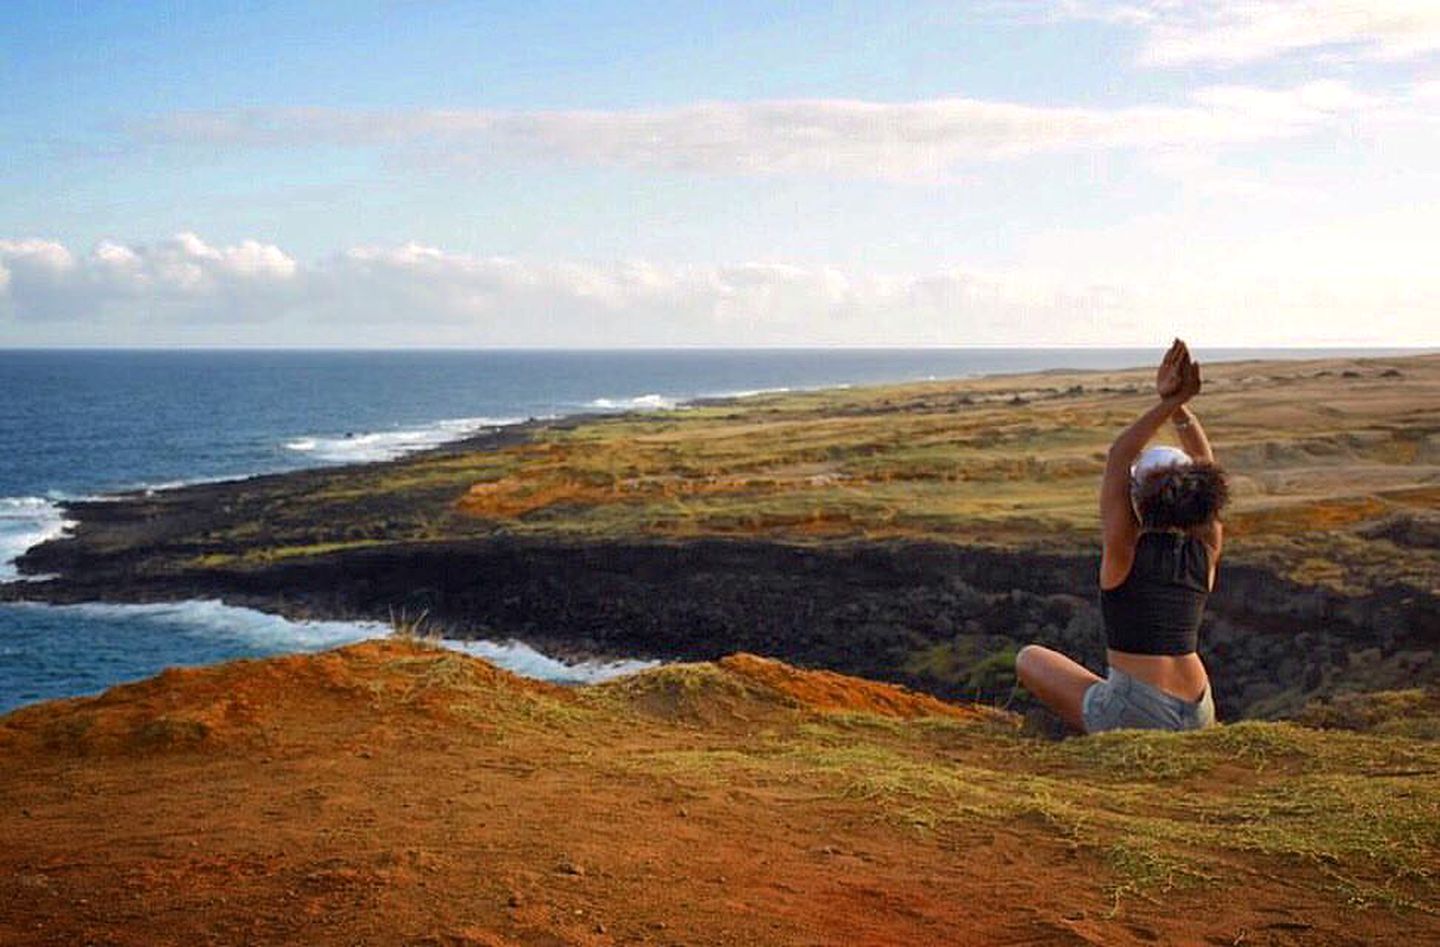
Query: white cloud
point(1107, 289)
point(1231, 32)
point(178, 276)
point(44, 258)
point(923, 140)
point(499, 300)
point(413, 294)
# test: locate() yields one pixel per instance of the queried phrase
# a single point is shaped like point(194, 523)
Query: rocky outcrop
point(937, 617)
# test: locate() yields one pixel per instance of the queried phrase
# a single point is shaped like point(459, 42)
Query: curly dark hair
point(1181, 497)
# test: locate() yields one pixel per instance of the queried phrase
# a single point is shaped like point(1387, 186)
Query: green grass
point(1356, 816)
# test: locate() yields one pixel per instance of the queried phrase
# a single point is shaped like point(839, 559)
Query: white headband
point(1157, 458)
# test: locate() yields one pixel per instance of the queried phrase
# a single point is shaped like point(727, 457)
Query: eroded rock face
point(937, 617)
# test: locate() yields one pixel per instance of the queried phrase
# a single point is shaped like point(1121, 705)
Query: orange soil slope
point(391, 793)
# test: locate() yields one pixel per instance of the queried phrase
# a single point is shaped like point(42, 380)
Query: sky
point(411, 173)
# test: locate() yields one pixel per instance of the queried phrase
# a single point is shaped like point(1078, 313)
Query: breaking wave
point(352, 448)
point(69, 650)
point(651, 402)
point(26, 522)
point(524, 660)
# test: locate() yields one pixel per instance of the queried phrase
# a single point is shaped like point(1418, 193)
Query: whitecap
point(264, 633)
point(750, 393)
point(26, 522)
point(211, 618)
point(520, 658)
point(150, 489)
point(386, 445)
point(650, 402)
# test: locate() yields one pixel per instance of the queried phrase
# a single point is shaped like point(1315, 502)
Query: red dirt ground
point(388, 793)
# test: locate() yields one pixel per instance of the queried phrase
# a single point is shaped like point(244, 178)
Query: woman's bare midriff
point(1180, 675)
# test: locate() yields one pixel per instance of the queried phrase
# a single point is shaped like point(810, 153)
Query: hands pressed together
point(1178, 377)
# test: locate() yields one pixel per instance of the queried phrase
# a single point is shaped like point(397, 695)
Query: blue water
point(85, 423)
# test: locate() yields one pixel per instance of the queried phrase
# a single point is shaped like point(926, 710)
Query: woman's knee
point(1027, 661)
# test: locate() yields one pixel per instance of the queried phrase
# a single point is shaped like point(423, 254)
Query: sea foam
point(524, 660)
point(749, 393)
point(213, 619)
point(387, 445)
point(269, 633)
point(239, 630)
point(26, 522)
point(650, 402)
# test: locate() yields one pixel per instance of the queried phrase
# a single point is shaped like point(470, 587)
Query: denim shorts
point(1124, 702)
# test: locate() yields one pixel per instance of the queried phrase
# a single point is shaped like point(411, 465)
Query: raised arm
point(1192, 436)
point(1117, 517)
point(1177, 381)
point(1197, 445)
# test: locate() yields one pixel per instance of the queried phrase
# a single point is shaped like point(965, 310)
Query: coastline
point(924, 609)
point(216, 623)
point(489, 436)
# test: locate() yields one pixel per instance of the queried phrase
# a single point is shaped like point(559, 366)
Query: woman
point(1160, 515)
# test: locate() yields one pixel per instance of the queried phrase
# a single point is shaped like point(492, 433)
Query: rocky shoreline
point(380, 540)
point(937, 617)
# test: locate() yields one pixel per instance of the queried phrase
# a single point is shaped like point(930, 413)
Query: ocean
point(87, 423)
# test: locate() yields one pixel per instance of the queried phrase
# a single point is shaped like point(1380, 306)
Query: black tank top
point(1157, 609)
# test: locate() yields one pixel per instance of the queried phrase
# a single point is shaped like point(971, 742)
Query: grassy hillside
point(388, 792)
point(1336, 469)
